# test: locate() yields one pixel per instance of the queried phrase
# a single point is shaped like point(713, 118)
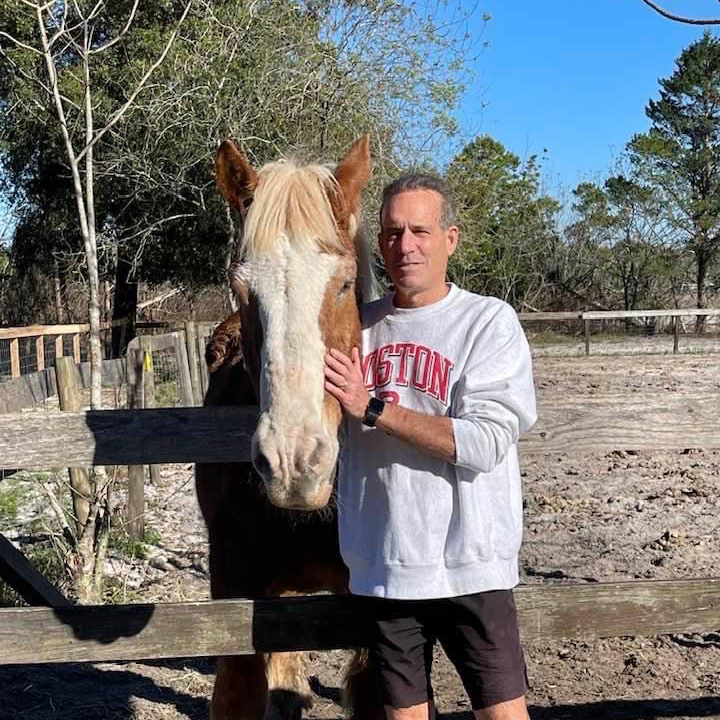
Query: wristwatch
point(373, 411)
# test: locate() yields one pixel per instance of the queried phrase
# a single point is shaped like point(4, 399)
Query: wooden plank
point(76, 347)
point(8, 333)
point(237, 627)
point(82, 490)
point(550, 316)
point(126, 437)
point(222, 434)
point(32, 586)
point(587, 338)
point(202, 340)
point(59, 349)
point(135, 517)
point(184, 382)
point(34, 388)
point(27, 390)
point(602, 424)
point(40, 352)
point(619, 314)
point(191, 336)
point(136, 498)
point(15, 358)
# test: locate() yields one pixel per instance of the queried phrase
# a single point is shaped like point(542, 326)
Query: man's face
point(414, 246)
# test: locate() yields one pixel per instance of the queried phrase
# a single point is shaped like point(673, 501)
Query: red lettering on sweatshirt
point(405, 364)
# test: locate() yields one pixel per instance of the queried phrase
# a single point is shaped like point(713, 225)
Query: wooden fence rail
point(222, 434)
point(39, 333)
point(587, 316)
point(237, 627)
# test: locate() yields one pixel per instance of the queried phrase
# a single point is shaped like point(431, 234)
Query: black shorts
point(478, 632)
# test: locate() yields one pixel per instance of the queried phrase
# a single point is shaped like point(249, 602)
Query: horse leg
point(240, 691)
point(362, 696)
point(289, 690)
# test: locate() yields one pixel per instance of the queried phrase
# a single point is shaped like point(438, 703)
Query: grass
point(10, 501)
point(46, 561)
point(137, 549)
point(166, 394)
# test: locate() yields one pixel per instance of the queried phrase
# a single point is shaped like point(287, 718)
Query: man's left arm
point(496, 401)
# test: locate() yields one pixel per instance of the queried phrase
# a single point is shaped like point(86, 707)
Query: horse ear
point(235, 177)
point(353, 173)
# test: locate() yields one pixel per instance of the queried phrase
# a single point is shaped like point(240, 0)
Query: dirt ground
point(588, 518)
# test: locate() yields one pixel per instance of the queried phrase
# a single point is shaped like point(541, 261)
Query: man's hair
point(421, 181)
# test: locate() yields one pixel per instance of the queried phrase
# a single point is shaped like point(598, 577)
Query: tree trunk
point(57, 285)
point(124, 306)
point(702, 267)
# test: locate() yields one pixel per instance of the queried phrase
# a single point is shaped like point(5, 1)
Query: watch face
point(377, 406)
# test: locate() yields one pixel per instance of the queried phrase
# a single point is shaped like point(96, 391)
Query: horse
point(301, 268)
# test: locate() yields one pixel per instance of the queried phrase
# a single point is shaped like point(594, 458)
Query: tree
point(508, 226)
point(304, 77)
point(629, 261)
point(680, 18)
point(679, 158)
point(52, 46)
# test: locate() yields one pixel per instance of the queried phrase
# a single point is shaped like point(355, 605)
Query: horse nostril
point(262, 464)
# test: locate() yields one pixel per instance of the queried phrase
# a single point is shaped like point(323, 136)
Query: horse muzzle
point(298, 469)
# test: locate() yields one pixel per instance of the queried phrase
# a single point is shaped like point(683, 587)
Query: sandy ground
point(589, 518)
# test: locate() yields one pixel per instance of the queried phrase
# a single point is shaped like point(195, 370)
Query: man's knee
point(509, 710)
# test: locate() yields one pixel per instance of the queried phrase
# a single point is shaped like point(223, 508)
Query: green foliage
point(46, 561)
point(308, 76)
point(508, 228)
point(679, 157)
point(10, 501)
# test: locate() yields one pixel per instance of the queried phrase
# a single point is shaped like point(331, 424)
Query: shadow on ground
point(68, 692)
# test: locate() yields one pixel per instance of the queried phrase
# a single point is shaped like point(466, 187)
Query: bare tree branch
point(680, 18)
point(121, 34)
point(122, 110)
point(20, 44)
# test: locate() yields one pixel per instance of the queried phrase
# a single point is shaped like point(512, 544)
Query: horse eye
point(346, 286)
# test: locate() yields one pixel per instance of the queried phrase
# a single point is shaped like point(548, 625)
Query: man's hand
point(344, 380)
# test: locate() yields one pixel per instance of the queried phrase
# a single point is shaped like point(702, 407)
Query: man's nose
point(406, 242)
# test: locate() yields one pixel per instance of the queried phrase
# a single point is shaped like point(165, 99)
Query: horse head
point(295, 279)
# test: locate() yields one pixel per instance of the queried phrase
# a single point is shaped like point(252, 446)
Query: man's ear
point(452, 239)
point(235, 177)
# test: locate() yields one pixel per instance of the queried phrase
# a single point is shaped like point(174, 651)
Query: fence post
point(587, 337)
point(59, 346)
point(15, 358)
point(76, 348)
point(676, 335)
point(148, 388)
point(40, 352)
point(79, 477)
point(185, 392)
point(191, 341)
point(136, 473)
point(204, 377)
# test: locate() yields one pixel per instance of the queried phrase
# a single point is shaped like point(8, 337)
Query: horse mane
point(292, 201)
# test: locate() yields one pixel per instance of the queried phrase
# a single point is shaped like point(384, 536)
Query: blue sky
point(573, 77)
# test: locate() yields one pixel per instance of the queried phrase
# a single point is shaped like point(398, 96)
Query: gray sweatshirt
point(413, 526)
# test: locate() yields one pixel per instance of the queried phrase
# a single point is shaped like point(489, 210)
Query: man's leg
point(509, 710)
point(401, 651)
point(480, 636)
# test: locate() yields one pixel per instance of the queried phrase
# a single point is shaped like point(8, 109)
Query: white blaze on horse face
point(294, 447)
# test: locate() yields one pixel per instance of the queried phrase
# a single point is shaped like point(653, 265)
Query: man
point(429, 492)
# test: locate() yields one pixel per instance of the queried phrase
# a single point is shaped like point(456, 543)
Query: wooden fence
point(38, 334)
point(148, 436)
point(219, 434)
point(589, 316)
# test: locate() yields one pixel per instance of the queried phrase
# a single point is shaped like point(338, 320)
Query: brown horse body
point(270, 527)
